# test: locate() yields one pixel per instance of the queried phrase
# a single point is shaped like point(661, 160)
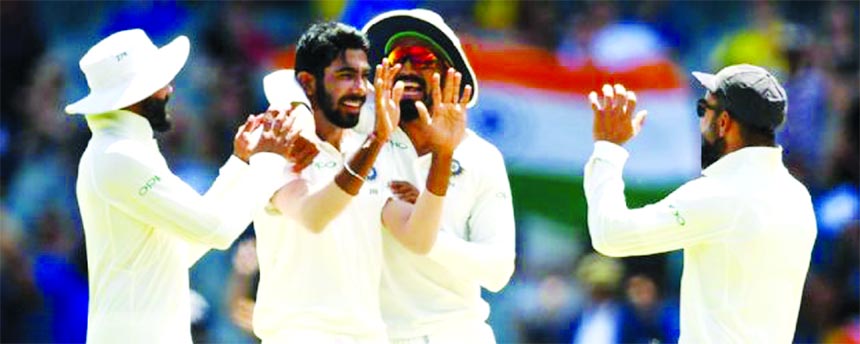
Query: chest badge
point(371, 176)
point(456, 168)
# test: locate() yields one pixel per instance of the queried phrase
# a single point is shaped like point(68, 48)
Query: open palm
point(448, 125)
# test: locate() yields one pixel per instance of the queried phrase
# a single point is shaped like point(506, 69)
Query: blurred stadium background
point(535, 61)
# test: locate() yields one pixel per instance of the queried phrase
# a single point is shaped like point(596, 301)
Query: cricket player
point(746, 225)
point(319, 241)
point(145, 227)
point(436, 298)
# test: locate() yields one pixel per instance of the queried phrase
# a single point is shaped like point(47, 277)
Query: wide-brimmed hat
point(282, 91)
point(423, 24)
point(125, 68)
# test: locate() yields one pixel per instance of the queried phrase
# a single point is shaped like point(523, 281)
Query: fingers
point(467, 96)
point(307, 151)
point(404, 191)
point(630, 107)
point(620, 99)
point(608, 97)
point(380, 92)
point(595, 102)
point(435, 90)
point(423, 114)
point(397, 92)
point(245, 128)
point(448, 91)
point(267, 125)
point(639, 121)
point(392, 74)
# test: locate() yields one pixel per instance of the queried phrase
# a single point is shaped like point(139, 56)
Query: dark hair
point(755, 136)
point(323, 42)
point(751, 135)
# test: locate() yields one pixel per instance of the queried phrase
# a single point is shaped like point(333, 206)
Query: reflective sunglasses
point(420, 57)
point(702, 106)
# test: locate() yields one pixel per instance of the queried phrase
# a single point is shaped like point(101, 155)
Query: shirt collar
point(748, 158)
point(349, 143)
point(120, 122)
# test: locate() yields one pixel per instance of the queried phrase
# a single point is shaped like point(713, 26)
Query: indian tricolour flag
point(536, 111)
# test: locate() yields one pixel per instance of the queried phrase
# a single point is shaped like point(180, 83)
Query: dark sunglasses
point(420, 57)
point(702, 106)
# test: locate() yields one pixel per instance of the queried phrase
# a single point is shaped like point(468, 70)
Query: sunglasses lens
point(421, 57)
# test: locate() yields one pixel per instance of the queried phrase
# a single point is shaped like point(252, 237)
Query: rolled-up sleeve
point(698, 211)
point(159, 198)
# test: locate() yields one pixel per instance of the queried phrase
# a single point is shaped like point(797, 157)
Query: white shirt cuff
point(610, 152)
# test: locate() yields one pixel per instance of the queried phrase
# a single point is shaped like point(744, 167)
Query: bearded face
point(154, 110)
point(712, 150)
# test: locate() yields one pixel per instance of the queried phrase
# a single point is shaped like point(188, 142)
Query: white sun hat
point(385, 29)
point(125, 68)
point(283, 91)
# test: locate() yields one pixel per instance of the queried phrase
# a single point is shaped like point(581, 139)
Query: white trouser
point(471, 333)
point(311, 336)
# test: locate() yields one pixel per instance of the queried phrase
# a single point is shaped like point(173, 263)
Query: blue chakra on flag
point(372, 175)
point(456, 169)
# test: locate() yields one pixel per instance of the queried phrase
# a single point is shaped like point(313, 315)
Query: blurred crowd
point(561, 292)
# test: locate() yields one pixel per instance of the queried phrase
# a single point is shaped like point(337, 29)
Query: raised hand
point(388, 95)
point(244, 141)
point(276, 136)
point(613, 115)
point(448, 125)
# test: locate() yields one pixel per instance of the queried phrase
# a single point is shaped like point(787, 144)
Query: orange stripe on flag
point(540, 69)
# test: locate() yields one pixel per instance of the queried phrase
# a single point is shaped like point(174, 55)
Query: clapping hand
point(613, 115)
point(448, 124)
point(388, 95)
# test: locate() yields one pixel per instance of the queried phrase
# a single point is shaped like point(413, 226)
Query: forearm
point(440, 173)
point(244, 196)
point(490, 264)
point(315, 210)
point(416, 226)
point(698, 211)
point(361, 163)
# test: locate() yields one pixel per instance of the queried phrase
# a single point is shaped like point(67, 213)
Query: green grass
point(562, 199)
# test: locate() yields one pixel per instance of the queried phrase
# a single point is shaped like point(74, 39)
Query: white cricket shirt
point(326, 282)
point(423, 295)
point(144, 228)
point(746, 227)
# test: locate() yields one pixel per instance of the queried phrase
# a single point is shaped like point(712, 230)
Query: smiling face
point(342, 89)
point(420, 60)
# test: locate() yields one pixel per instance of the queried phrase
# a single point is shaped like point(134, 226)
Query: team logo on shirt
point(372, 175)
point(456, 169)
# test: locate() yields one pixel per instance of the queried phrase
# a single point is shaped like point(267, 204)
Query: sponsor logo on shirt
point(148, 185)
point(678, 218)
point(325, 164)
point(400, 145)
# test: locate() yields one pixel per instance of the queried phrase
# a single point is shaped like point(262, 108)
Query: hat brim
point(282, 89)
point(157, 73)
point(709, 81)
point(380, 29)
